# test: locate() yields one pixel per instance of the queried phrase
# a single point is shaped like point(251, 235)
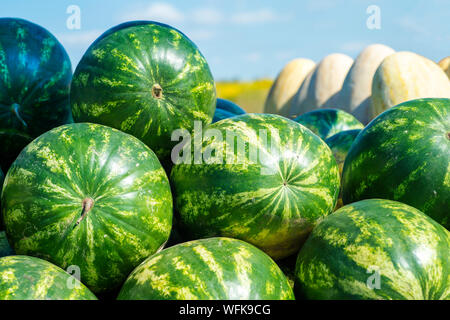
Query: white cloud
point(253, 57)
point(410, 24)
point(158, 11)
point(78, 37)
point(207, 16)
point(258, 16)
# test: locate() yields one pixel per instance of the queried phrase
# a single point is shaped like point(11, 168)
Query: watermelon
point(208, 269)
point(404, 155)
point(340, 144)
point(2, 179)
point(226, 109)
point(327, 122)
point(5, 248)
point(88, 195)
point(29, 278)
point(272, 201)
point(375, 249)
point(146, 79)
point(35, 74)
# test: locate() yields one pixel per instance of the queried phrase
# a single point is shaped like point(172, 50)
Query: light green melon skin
point(273, 205)
point(208, 269)
point(409, 250)
point(132, 213)
point(29, 278)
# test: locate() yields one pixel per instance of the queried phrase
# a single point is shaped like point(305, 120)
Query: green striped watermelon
point(375, 249)
point(327, 122)
point(272, 201)
point(35, 73)
point(404, 155)
point(5, 248)
point(88, 195)
point(29, 278)
point(146, 79)
point(208, 269)
point(340, 144)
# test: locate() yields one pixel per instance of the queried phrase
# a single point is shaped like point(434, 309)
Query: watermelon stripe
point(28, 278)
point(215, 268)
point(409, 249)
point(403, 155)
point(132, 211)
point(273, 211)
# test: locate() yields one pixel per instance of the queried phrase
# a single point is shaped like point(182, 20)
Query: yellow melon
point(322, 84)
point(354, 96)
point(286, 85)
point(445, 65)
point(405, 76)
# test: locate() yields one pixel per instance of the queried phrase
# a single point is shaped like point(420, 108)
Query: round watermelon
point(88, 195)
point(375, 249)
point(29, 278)
point(264, 179)
point(327, 122)
point(404, 155)
point(146, 79)
point(5, 248)
point(35, 73)
point(226, 109)
point(208, 269)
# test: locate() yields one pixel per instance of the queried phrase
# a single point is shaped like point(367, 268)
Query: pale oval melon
point(321, 86)
point(445, 65)
point(286, 85)
point(354, 96)
point(405, 76)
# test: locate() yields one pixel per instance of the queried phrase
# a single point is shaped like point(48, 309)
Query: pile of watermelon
point(130, 179)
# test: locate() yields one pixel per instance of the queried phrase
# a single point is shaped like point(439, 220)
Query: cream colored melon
point(320, 87)
point(354, 96)
point(405, 76)
point(286, 85)
point(445, 65)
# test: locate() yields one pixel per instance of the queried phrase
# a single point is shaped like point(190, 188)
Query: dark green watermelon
point(208, 269)
point(35, 73)
point(340, 144)
point(272, 201)
point(404, 155)
point(226, 109)
point(5, 248)
point(146, 79)
point(29, 278)
point(327, 122)
point(375, 249)
point(88, 195)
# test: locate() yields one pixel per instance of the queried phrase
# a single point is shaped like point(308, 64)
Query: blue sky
point(248, 39)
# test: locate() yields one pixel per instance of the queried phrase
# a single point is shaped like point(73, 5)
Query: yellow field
point(248, 95)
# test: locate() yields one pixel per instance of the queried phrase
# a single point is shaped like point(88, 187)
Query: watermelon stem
point(157, 91)
point(15, 109)
point(87, 204)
